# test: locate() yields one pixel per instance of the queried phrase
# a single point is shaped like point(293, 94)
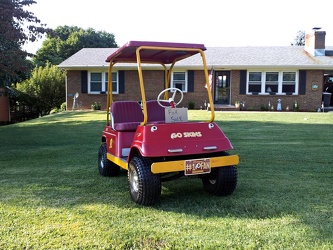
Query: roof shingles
point(220, 57)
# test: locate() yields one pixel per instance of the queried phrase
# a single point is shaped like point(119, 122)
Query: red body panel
point(117, 141)
point(180, 139)
point(167, 139)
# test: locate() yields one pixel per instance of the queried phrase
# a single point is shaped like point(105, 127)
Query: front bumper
point(179, 165)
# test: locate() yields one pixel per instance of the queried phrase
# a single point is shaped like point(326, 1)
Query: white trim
point(280, 81)
point(186, 79)
point(103, 82)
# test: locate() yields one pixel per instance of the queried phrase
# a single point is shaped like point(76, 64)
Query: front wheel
point(145, 187)
point(221, 181)
point(106, 167)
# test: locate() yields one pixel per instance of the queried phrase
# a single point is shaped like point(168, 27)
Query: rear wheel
point(145, 187)
point(106, 167)
point(221, 181)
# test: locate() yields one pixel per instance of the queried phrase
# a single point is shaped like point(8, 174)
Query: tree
point(299, 39)
point(17, 26)
point(65, 41)
point(46, 87)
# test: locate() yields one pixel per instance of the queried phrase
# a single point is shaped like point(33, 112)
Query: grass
point(52, 197)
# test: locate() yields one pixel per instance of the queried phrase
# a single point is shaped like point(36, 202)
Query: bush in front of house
point(191, 105)
point(96, 106)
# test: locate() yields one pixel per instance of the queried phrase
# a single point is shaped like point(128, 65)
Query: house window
point(98, 82)
point(272, 83)
point(95, 82)
point(255, 82)
point(289, 82)
point(179, 80)
point(114, 82)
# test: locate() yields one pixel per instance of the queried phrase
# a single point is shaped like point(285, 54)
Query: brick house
point(255, 76)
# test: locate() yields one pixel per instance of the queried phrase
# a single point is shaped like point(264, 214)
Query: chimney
point(315, 42)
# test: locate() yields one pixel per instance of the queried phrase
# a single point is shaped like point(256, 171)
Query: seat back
point(155, 112)
point(126, 115)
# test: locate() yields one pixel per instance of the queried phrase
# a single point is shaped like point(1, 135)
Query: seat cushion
point(126, 126)
point(126, 115)
point(155, 112)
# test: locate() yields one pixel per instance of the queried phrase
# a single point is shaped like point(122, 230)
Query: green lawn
point(52, 196)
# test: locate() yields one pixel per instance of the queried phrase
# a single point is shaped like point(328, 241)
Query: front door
point(222, 87)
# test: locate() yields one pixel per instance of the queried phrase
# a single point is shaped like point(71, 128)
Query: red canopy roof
point(127, 53)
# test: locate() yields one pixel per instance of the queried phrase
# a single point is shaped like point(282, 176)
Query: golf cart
point(153, 139)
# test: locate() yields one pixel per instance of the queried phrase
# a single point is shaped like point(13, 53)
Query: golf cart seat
point(126, 115)
point(156, 113)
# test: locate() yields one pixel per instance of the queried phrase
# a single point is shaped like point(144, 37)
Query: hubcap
point(102, 163)
point(212, 181)
point(134, 181)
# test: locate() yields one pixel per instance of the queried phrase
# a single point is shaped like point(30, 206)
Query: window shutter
point(190, 81)
point(121, 77)
point(84, 81)
point(242, 82)
point(302, 82)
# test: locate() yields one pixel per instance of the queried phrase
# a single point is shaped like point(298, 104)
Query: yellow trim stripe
point(175, 166)
point(122, 163)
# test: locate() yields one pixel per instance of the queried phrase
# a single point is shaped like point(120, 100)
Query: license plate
point(197, 166)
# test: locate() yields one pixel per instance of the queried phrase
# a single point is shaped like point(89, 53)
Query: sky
point(215, 23)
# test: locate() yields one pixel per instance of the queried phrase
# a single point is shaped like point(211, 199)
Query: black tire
point(106, 167)
point(145, 187)
point(221, 181)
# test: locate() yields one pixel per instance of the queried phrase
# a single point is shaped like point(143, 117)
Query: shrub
point(264, 108)
point(54, 110)
point(191, 105)
point(63, 106)
point(96, 106)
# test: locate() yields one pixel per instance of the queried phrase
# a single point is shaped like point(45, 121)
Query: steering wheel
point(171, 99)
